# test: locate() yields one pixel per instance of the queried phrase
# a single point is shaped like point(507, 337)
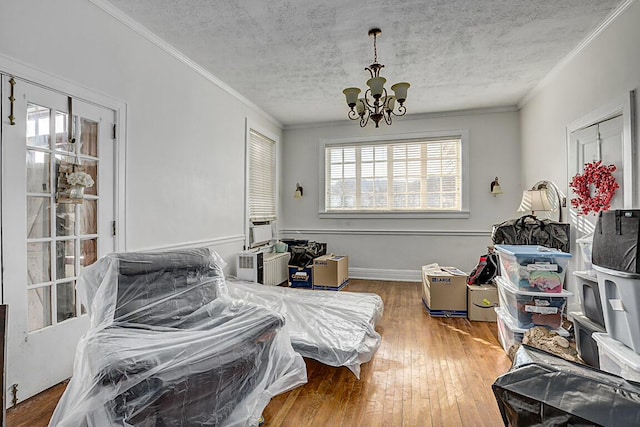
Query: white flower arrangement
point(80, 178)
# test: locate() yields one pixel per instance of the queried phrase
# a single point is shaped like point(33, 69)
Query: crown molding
point(417, 116)
point(575, 52)
point(143, 31)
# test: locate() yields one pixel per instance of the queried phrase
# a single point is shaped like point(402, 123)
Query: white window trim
point(249, 125)
point(463, 134)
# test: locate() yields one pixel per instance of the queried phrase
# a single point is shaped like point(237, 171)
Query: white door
point(46, 240)
point(601, 141)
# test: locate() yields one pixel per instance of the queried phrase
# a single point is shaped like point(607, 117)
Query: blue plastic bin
point(532, 267)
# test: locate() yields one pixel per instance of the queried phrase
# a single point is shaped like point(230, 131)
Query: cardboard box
point(300, 277)
point(444, 291)
point(482, 300)
point(330, 272)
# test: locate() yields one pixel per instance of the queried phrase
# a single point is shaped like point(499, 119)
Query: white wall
point(608, 68)
point(185, 135)
point(396, 248)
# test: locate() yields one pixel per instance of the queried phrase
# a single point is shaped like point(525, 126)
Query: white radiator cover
point(276, 268)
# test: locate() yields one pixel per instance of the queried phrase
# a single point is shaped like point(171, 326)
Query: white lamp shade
point(376, 85)
point(391, 103)
point(400, 90)
point(360, 106)
point(535, 200)
point(496, 189)
point(351, 93)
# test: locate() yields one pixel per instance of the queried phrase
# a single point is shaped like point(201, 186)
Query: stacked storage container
point(530, 290)
point(590, 319)
point(616, 259)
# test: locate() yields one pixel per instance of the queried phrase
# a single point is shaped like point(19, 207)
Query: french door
point(47, 236)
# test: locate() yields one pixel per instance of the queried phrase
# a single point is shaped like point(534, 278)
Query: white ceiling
point(293, 57)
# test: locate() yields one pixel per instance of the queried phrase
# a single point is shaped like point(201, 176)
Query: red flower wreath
point(601, 178)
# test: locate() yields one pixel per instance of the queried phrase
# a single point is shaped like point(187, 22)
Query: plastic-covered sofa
point(335, 328)
point(167, 346)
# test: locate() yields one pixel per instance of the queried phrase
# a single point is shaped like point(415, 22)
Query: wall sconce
point(299, 192)
point(495, 187)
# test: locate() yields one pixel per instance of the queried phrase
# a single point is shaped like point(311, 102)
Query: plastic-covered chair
point(167, 346)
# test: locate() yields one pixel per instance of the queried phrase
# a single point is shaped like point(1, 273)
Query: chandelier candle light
point(376, 104)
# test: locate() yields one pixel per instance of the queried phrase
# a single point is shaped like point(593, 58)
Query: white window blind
point(412, 176)
point(262, 178)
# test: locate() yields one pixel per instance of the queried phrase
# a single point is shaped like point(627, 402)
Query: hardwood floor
point(427, 372)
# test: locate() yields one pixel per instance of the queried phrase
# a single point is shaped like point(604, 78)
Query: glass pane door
point(61, 232)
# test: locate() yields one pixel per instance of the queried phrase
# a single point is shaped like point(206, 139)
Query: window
point(262, 178)
point(412, 176)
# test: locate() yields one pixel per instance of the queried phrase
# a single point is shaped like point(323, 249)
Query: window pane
point(88, 252)
point(66, 299)
point(336, 155)
point(414, 186)
point(39, 308)
point(38, 133)
point(381, 169)
point(434, 167)
point(38, 175)
point(91, 168)
point(349, 155)
point(65, 259)
point(62, 136)
point(38, 209)
point(88, 137)
point(366, 154)
point(367, 170)
point(38, 263)
point(65, 219)
point(350, 170)
point(88, 217)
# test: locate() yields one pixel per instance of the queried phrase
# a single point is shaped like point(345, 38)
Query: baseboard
point(385, 274)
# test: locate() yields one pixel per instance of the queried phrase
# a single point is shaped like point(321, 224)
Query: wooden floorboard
point(427, 372)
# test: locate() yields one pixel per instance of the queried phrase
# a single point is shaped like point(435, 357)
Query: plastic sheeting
point(335, 328)
point(168, 346)
point(545, 390)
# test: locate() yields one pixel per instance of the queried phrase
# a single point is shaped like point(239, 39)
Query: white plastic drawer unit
point(620, 295)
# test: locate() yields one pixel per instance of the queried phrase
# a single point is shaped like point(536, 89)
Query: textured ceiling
point(293, 57)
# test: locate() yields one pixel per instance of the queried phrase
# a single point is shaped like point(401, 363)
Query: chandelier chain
point(375, 49)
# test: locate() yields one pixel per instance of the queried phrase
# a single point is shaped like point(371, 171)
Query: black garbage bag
point(529, 230)
point(545, 390)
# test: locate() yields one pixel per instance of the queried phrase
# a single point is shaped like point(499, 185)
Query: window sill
point(396, 215)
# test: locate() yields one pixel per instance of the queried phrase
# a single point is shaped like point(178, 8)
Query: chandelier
point(376, 103)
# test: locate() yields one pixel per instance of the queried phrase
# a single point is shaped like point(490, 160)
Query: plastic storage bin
point(509, 333)
point(617, 358)
point(590, 301)
point(532, 308)
point(585, 344)
point(586, 243)
point(620, 296)
point(533, 268)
